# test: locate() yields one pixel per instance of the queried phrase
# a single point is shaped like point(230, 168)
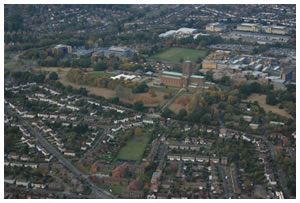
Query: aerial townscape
point(149, 101)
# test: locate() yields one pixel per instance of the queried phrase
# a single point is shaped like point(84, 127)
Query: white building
point(22, 183)
point(182, 32)
point(123, 76)
point(215, 27)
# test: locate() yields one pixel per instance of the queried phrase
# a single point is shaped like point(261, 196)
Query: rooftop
point(197, 76)
point(171, 73)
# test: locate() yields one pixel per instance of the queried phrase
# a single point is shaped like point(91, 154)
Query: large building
point(215, 27)
point(65, 48)
point(216, 59)
point(279, 30)
point(122, 52)
point(288, 73)
point(182, 32)
point(184, 79)
point(248, 27)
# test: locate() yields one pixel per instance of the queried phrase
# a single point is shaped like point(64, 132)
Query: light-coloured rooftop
point(171, 73)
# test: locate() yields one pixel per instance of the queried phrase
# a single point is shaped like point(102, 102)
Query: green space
point(134, 148)
point(165, 89)
point(101, 74)
point(115, 189)
point(174, 55)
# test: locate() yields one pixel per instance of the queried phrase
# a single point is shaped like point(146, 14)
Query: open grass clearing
point(174, 55)
point(261, 99)
point(134, 148)
point(101, 74)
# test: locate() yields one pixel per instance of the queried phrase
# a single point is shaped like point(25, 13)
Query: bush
point(181, 114)
point(53, 76)
point(100, 66)
point(271, 99)
point(141, 88)
point(139, 106)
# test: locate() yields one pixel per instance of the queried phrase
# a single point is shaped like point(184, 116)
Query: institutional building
point(249, 27)
point(215, 27)
point(279, 30)
point(65, 48)
point(216, 59)
point(184, 79)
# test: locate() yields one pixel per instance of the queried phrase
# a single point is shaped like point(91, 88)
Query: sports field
point(174, 55)
point(134, 148)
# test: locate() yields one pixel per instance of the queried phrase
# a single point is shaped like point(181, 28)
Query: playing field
point(134, 148)
point(174, 55)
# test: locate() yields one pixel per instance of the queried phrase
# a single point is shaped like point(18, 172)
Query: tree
point(225, 80)
point(271, 99)
point(83, 91)
point(100, 66)
point(81, 128)
point(141, 88)
point(53, 76)
point(39, 78)
point(139, 106)
point(181, 114)
point(84, 62)
point(115, 100)
point(167, 113)
point(138, 131)
point(49, 61)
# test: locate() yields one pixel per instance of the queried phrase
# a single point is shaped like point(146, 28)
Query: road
point(45, 192)
point(281, 175)
point(226, 185)
point(99, 193)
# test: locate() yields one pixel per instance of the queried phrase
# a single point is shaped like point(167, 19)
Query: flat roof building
point(248, 27)
point(183, 79)
point(279, 30)
point(215, 27)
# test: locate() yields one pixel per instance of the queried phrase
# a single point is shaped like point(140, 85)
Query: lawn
point(261, 99)
point(100, 74)
point(115, 189)
point(174, 55)
point(134, 148)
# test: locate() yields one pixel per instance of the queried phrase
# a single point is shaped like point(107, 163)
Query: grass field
point(174, 55)
point(115, 189)
point(100, 74)
point(261, 99)
point(134, 148)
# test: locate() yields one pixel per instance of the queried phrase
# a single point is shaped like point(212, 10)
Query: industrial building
point(184, 79)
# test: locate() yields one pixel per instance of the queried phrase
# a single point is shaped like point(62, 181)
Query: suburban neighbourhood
point(150, 101)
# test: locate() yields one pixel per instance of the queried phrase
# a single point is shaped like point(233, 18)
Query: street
point(99, 193)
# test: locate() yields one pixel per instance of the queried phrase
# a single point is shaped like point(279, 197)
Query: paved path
point(172, 99)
